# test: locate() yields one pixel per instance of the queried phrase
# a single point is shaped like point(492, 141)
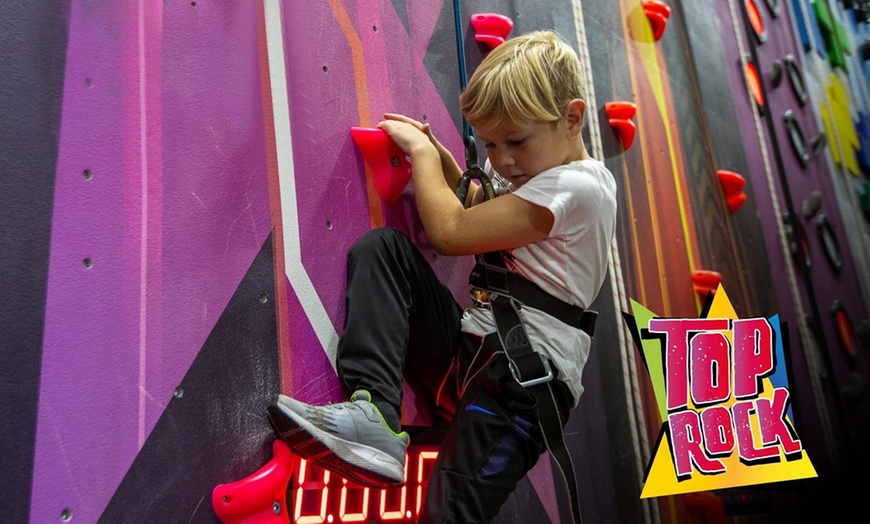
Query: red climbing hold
point(620, 116)
point(261, 497)
point(390, 170)
point(710, 503)
point(732, 185)
point(491, 29)
point(705, 282)
point(658, 14)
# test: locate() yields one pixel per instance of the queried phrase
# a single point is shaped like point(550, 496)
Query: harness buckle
point(535, 381)
point(480, 297)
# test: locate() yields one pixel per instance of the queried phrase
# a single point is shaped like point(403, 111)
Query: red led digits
point(395, 514)
point(346, 516)
point(319, 496)
point(310, 485)
point(424, 463)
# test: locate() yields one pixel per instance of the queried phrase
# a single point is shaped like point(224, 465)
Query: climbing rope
point(472, 160)
point(460, 51)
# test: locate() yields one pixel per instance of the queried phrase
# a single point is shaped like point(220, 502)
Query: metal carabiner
point(473, 171)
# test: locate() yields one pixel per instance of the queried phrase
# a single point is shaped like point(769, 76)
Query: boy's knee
point(377, 238)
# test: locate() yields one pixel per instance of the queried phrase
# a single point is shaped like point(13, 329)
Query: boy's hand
point(425, 128)
point(451, 171)
point(407, 136)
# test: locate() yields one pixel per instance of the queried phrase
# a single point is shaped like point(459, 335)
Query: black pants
point(402, 323)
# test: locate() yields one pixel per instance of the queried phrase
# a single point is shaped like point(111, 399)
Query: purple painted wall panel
point(162, 105)
point(330, 182)
point(77, 395)
point(215, 185)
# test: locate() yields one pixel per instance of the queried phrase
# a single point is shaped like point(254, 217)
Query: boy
point(552, 222)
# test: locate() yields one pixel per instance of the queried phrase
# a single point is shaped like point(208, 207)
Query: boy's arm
point(505, 222)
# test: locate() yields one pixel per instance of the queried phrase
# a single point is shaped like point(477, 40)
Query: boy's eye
point(516, 143)
point(489, 145)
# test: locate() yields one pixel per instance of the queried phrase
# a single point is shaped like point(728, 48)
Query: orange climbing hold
point(753, 81)
point(259, 498)
point(620, 115)
point(390, 169)
point(756, 20)
point(491, 29)
point(732, 185)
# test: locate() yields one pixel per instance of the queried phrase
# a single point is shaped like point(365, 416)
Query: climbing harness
point(505, 293)
point(495, 287)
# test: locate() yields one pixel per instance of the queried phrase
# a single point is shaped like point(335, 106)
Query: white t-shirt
point(570, 263)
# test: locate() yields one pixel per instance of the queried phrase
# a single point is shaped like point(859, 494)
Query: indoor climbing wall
point(158, 344)
point(186, 187)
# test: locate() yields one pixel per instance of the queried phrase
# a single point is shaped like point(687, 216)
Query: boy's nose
point(505, 159)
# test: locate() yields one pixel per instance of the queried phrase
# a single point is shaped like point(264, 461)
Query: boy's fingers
point(403, 118)
point(387, 126)
point(395, 116)
point(395, 126)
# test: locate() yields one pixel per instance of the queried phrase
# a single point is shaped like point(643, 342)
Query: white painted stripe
point(296, 274)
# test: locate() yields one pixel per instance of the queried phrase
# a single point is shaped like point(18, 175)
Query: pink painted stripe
point(143, 193)
point(151, 90)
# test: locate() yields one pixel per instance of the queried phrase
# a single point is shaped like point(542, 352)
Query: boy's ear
point(574, 115)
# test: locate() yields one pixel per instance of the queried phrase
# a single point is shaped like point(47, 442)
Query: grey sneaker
point(349, 438)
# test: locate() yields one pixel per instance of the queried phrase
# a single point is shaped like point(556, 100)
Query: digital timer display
point(316, 495)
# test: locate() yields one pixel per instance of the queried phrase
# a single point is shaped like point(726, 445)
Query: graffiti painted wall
point(180, 189)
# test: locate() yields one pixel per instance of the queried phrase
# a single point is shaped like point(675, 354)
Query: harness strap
point(528, 367)
point(501, 281)
point(532, 370)
point(551, 424)
point(508, 292)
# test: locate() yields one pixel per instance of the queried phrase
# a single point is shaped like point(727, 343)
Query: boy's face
point(520, 152)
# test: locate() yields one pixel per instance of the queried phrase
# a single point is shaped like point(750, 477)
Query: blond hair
point(529, 78)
